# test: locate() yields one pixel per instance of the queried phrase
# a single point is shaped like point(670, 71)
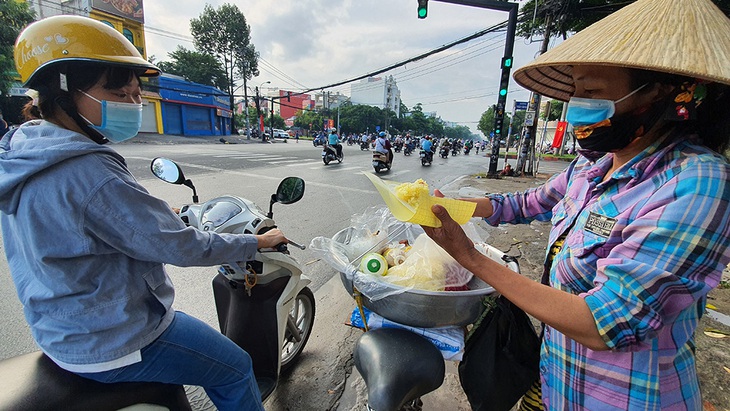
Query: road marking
point(269, 158)
point(286, 161)
point(308, 163)
point(328, 186)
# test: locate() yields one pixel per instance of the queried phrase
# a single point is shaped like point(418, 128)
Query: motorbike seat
point(398, 366)
point(34, 382)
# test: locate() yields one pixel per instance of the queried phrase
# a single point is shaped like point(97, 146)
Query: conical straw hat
point(684, 37)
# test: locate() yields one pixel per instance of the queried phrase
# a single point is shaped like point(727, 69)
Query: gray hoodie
point(86, 245)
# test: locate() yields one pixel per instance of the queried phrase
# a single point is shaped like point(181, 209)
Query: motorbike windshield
point(220, 212)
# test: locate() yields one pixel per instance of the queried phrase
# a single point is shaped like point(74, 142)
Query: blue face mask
point(587, 111)
point(119, 121)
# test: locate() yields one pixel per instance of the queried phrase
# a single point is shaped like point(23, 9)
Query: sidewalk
point(154, 138)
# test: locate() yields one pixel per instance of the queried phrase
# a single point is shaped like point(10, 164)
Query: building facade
point(192, 109)
point(379, 92)
point(170, 103)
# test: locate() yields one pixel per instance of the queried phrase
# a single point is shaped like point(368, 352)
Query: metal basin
point(420, 308)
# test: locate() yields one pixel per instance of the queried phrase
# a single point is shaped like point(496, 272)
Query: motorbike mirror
point(167, 170)
point(170, 172)
point(290, 190)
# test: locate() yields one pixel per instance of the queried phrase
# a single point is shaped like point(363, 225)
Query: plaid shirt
point(643, 248)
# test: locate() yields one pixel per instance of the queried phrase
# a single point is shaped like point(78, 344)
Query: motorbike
point(426, 158)
point(380, 162)
point(444, 152)
point(329, 154)
point(364, 145)
point(263, 305)
point(397, 147)
point(398, 365)
point(408, 149)
point(467, 149)
point(455, 151)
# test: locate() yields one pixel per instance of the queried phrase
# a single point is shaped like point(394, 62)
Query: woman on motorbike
point(86, 244)
point(382, 145)
point(640, 220)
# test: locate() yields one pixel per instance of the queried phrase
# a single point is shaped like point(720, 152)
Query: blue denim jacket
point(86, 245)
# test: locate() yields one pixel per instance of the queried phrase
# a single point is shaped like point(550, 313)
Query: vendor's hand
point(271, 238)
point(451, 237)
point(483, 208)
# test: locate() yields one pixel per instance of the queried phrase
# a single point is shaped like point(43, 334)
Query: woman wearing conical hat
point(640, 221)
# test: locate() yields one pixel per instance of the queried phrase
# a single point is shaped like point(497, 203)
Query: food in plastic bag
point(396, 254)
point(428, 267)
point(411, 193)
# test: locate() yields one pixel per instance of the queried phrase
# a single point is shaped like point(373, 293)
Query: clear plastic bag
point(426, 266)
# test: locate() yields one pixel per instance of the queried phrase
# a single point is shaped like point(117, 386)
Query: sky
point(314, 43)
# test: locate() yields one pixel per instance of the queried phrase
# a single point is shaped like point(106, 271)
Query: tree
point(570, 16)
point(306, 118)
point(486, 122)
point(459, 132)
point(14, 16)
point(195, 66)
point(224, 34)
point(556, 110)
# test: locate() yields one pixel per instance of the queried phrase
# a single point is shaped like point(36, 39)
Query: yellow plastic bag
point(460, 211)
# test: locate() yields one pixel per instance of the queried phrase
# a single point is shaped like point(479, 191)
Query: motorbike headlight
point(220, 212)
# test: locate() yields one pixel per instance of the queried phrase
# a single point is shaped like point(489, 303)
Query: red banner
point(559, 133)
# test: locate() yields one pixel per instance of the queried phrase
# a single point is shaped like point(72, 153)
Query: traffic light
point(422, 9)
point(507, 63)
point(503, 83)
point(498, 119)
point(504, 80)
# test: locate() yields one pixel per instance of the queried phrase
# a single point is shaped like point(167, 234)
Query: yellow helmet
point(74, 38)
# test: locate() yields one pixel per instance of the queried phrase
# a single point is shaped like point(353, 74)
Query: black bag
point(501, 358)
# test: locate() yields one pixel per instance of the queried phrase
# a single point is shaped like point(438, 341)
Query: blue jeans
point(192, 353)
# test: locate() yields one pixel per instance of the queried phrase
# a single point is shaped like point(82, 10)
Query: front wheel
point(300, 321)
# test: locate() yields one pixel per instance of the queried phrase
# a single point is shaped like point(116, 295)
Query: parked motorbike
point(364, 145)
point(426, 158)
point(329, 154)
point(399, 366)
point(380, 162)
point(263, 305)
point(444, 152)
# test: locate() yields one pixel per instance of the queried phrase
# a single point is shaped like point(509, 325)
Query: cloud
point(320, 42)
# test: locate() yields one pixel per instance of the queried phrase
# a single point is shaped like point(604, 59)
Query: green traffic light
point(422, 12)
point(503, 92)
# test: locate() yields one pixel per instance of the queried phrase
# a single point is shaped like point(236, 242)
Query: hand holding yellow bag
point(411, 202)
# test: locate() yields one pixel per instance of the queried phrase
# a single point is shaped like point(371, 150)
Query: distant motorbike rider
point(334, 141)
point(382, 145)
point(427, 146)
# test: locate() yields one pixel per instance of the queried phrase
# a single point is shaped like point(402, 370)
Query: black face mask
point(618, 131)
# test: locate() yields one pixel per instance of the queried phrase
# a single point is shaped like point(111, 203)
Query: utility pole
point(506, 66)
point(531, 131)
point(245, 107)
point(258, 113)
